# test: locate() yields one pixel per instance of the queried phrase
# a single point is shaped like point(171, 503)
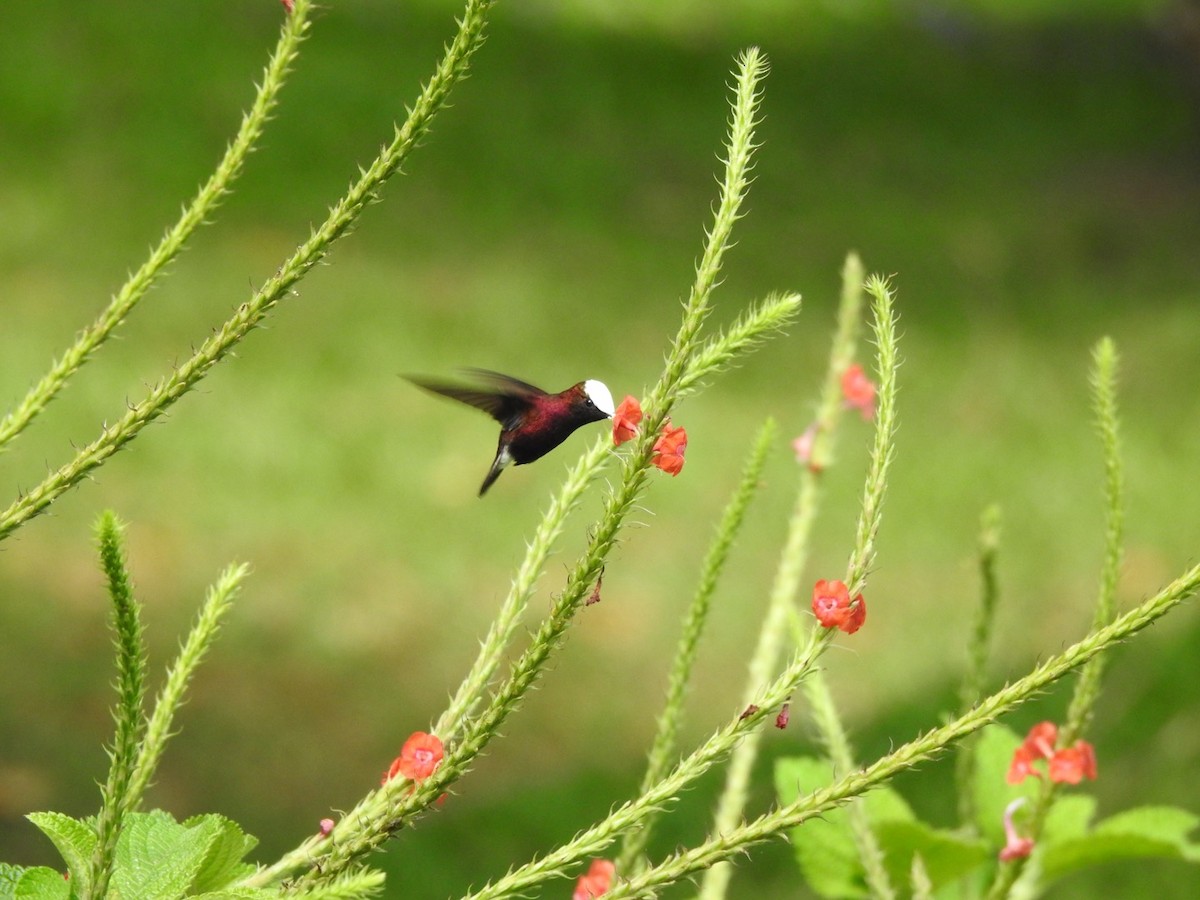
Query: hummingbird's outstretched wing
point(503, 402)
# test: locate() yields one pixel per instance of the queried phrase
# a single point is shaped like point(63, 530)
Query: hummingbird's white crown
point(600, 395)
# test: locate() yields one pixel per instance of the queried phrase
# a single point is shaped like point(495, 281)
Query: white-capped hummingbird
point(532, 422)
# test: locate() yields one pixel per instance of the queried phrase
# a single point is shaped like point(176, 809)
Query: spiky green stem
point(158, 728)
point(663, 749)
point(451, 70)
point(194, 215)
point(118, 798)
point(977, 657)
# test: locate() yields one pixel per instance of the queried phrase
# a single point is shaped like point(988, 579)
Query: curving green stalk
point(450, 71)
point(118, 798)
point(194, 215)
point(664, 746)
point(977, 655)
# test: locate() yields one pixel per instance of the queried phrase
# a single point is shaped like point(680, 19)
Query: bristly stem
point(781, 605)
point(158, 728)
point(194, 215)
point(118, 798)
point(977, 659)
point(663, 749)
point(1103, 378)
point(450, 71)
point(820, 697)
point(738, 840)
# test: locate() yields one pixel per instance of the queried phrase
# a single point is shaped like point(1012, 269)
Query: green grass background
point(1027, 171)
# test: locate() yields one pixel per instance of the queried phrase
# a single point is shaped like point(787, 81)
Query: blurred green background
point(1029, 172)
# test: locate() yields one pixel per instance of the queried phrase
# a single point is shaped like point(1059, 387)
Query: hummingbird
point(532, 422)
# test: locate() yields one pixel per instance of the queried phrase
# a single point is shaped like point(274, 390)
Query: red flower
point(1071, 765)
point(326, 828)
point(418, 758)
point(1015, 846)
point(597, 881)
point(669, 449)
point(858, 391)
point(289, 5)
point(1038, 744)
point(625, 420)
point(832, 606)
point(785, 714)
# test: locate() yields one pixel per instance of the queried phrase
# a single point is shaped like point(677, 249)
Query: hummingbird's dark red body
point(532, 422)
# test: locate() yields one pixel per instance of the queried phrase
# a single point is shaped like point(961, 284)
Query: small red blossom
point(596, 882)
point(1015, 846)
point(785, 714)
point(748, 712)
point(625, 420)
point(1068, 765)
point(858, 391)
point(832, 606)
point(326, 828)
point(289, 5)
point(418, 758)
point(1071, 765)
point(669, 449)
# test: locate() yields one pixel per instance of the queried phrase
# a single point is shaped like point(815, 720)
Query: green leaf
point(825, 847)
point(75, 841)
point(993, 755)
point(238, 894)
point(1145, 832)
point(947, 856)
point(40, 883)
point(1069, 817)
point(159, 859)
point(222, 865)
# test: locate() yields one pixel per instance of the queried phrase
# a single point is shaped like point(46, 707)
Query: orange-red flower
point(1015, 846)
point(289, 5)
point(418, 758)
point(832, 606)
point(596, 882)
point(625, 420)
point(1068, 765)
point(669, 449)
point(1071, 765)
point(858, 390)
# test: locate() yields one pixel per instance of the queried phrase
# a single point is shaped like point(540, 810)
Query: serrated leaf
point(238, 894)
point(75, 841)
point(825, 847)
point(157, 858)
point(946, 856)
point(222, 865)
point(993, 755)
point(1145, 832)
point(39, 883)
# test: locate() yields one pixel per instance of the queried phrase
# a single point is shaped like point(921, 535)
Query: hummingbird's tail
point(498, 465)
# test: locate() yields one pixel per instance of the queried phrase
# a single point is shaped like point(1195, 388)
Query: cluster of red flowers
point(596, 882)
point(832, 606)
point(671, 443)
point(1067, 765)
point(419, 757)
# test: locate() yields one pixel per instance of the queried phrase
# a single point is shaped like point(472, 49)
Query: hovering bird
point(532, 422)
